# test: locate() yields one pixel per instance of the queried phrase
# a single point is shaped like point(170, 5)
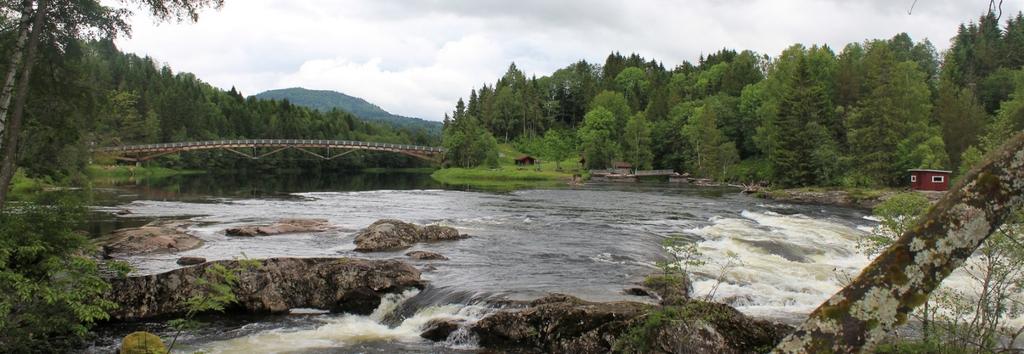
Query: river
point(590, 241)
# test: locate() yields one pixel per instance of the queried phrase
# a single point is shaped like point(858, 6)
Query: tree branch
point(903, 276)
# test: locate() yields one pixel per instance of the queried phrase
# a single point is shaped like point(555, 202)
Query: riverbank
point(103, 173)
point(508, 176)
point(505, 178)
point(860, 198)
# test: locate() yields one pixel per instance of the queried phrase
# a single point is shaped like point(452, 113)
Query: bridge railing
point(268, 143)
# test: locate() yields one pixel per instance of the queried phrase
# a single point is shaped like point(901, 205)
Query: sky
point(417, 57)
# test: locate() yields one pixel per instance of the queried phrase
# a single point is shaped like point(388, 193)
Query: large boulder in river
point(426, 256)
point(439, 329)
point(155, 237)
point(390, 234)
point(284, 226)
point(565, 324)
point(274, 286)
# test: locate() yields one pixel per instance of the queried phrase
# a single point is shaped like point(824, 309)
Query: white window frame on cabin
point(913, 178)
point(938, 179)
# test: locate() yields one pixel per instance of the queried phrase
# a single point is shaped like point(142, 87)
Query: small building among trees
point(929, 180)
point(525, 160)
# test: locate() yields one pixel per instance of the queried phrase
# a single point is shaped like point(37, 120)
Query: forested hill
point(326, 100)
point(856, 116)
point(92, 94)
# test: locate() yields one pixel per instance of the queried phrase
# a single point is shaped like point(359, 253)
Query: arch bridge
point(328, 149)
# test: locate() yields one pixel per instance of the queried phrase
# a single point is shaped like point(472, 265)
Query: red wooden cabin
point(525, 160)
point(929, 180)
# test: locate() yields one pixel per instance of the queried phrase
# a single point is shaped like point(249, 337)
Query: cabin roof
point(927, 170)
point(525, 157)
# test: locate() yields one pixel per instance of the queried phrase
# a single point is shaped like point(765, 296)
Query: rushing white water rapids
point(591, 242)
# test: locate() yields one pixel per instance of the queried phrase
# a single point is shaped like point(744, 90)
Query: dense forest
point(809, 116)
point(91, 94)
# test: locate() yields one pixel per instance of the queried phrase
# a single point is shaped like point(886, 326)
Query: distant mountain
point(325, 100)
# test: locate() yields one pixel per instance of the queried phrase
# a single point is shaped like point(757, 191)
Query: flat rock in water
point(274, 285)
point(563, 324)
point(638, 291)
point(284, 226)
point(155, 237)
point(426, 256)
point(187, 261)
point(389, 234)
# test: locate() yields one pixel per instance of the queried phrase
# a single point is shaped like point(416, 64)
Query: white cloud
point(417, 57)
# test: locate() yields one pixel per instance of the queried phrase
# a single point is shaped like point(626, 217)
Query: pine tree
point(898, 104)
point(803, 103)
point(962, 118)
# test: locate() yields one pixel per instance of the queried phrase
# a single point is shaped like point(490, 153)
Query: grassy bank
point(507, 176)
point(103, 174)
point(23, 187)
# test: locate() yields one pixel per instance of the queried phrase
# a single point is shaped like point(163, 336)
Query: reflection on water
point(262, 184)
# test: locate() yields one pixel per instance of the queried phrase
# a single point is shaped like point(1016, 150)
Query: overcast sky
point(416, 58)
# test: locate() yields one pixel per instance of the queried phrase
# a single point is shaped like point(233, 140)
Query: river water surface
point(590, 241)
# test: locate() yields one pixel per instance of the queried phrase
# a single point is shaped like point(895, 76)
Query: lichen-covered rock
point(285, 226)
point(565, 324)
point(187, 261)
point(438, 330)
point(432, 233)
point(426, 256)
point(275, 286)
point(558, 323)
point(390, 234)
point(155, 237)
point(142, 343)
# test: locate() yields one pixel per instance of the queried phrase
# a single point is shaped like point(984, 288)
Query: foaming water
point(351, 331)
point(789, 263)
point(590, 242)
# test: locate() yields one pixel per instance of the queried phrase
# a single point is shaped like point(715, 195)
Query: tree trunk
point(10, 147)
point(900, 279)
point(15, 64)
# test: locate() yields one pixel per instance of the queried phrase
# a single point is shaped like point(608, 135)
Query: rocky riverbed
point(590, 244)
point(865, 199)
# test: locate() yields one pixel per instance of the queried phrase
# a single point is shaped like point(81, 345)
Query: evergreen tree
point(803, 103)
point(897, 104)
point(962, 118)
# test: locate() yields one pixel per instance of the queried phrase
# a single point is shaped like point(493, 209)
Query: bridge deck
point(150, 151)
point(269, 143)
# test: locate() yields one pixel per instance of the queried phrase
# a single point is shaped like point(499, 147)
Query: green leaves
point(597, 143)
point(897, 214)
point(48, 288)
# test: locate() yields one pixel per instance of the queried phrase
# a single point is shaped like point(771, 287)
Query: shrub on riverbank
point(50, 292)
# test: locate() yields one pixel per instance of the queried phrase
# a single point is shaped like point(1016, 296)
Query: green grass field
point(508, 176)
